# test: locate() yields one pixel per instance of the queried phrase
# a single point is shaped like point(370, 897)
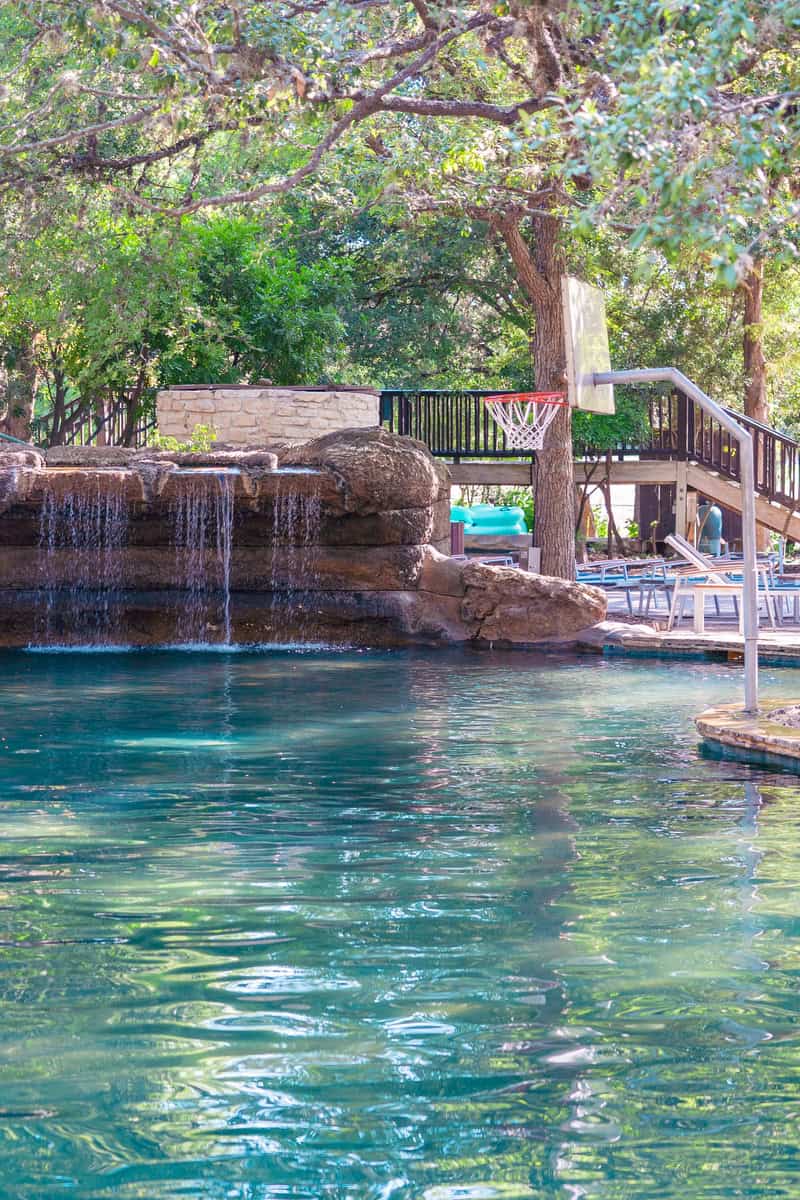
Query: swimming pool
point(385, 926)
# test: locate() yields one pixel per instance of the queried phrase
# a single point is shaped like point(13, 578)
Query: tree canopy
point(394, 187)
point(677, 122)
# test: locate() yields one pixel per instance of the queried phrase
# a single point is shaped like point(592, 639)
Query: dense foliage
point(102, 309)
point(678, 120)
point(389, 192)
point(111, 306)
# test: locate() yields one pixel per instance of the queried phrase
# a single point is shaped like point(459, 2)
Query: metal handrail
point(745, 441)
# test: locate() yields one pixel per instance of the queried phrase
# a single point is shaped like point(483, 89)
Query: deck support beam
point(682, 499)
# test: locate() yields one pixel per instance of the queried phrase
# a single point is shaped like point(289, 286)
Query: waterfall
point(81, 538)
point(295, 550)
point(203, 539)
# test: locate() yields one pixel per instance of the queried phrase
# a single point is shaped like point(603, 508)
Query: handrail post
point(747, 483)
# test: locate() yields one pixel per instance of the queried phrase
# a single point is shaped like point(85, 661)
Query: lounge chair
point(706, 577)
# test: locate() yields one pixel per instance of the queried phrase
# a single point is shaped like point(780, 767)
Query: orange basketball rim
point(525, 417)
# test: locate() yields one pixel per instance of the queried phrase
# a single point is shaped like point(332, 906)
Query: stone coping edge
point(272, 387)
point(728, 730)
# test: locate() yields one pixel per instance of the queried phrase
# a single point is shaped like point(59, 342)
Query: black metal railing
point(457, 424)
point(681, 430)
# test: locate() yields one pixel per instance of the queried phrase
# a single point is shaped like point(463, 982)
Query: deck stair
point(772, 513)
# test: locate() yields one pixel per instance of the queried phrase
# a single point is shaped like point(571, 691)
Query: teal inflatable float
point(490, 520)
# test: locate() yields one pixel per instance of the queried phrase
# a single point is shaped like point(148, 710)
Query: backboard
point(587, 345)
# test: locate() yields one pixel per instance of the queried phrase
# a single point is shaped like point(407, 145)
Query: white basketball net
point(525, 418)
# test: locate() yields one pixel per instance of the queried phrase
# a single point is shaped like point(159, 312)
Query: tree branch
point(535, 285)
point(75, 135)
point(498, 115)
point(361, 109)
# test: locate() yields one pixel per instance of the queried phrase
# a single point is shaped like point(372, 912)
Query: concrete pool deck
point(638, 635)
point(775, 646)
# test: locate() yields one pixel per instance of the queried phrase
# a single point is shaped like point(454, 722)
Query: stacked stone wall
point(242, 416)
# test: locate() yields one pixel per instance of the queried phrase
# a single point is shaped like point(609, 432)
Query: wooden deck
point(685, 476)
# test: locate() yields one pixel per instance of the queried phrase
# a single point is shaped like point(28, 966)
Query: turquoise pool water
point(391, 926)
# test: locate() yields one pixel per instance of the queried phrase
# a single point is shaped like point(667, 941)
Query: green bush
point(200, 442)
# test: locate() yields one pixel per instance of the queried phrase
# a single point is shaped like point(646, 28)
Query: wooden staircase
point(771, 513)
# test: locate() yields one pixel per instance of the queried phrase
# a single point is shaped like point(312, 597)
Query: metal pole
point(747, 482)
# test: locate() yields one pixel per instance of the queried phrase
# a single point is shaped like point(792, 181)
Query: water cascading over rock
point(203, 538)
point(296, 520)
point(87, 530)
point(336, 541)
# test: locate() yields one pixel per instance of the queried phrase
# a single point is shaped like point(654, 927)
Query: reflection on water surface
point(390, 926)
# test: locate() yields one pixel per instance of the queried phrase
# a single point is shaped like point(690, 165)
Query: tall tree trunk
point(59, 420)
point(539, 269)
point(17, 394)
point(756, 403)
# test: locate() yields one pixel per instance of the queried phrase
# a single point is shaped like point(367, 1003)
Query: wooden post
point(456, 537)
point(681, 500)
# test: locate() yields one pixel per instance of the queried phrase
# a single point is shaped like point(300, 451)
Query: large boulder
point(512, 606)
point(375, 471)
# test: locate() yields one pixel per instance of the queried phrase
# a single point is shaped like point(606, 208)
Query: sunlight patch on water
point(88, 649)
point(173, 743)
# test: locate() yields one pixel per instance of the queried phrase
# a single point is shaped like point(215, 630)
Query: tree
point(17, 385)
point(99, 310)
point(92, 302)
point(262, 314)
point(756, 403)
point(671, 121)
point(431, 303)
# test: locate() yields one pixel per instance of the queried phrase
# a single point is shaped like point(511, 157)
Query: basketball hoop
point(525, 417)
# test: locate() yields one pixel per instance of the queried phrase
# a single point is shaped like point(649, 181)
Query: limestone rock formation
point(18, 467)
point(502, 605)
point(334, 540)
point(128, 456)
point(375, 471)
point(12, 455)
point(515, 606)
